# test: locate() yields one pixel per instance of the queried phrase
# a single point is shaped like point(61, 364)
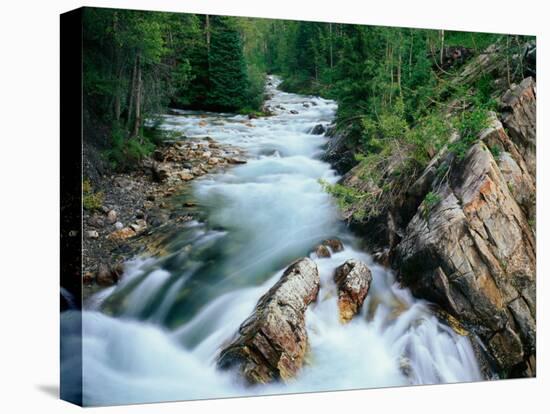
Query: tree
point(228, 75)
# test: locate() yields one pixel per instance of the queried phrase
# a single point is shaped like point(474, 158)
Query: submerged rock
point(324, 249)
point(353, 279)
point(318, 129)
point(107, 275)
point(271, 344)
point(335, 245)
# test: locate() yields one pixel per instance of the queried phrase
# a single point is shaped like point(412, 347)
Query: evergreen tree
point(228, 75)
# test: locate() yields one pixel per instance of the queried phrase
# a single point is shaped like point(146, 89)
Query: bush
point(469, 125)
point(126, 152)
point(91, 200)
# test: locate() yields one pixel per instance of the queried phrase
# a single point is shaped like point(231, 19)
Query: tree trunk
point(139, 84)
point(131, 95)
point(207, 30)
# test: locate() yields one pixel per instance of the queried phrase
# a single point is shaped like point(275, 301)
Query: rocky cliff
point(463, 234)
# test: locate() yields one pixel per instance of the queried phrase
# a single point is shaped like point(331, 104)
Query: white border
point(29, 173)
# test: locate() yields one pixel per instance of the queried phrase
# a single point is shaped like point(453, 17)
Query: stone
point(118, 225)
point(96, 221)
point(353, 280)
point(334, 244)
point(111, 217)
point(520, 119)
point(88, 278)
point(293, 111)
point(318, 129)
point(161, 171)
point(213, 161)
point(92, 234)
point(322, 251)
point(186, 175)
point(139, 226)
point(236, 160)
point(271, 344)
point(107, 276)
point(122, 234)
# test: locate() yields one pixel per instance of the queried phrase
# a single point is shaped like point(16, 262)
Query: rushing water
point(155, 336)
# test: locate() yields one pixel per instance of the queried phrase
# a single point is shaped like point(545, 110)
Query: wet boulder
point(318, 129)
point(327, 246)
point(353, 279)
point(271, 344)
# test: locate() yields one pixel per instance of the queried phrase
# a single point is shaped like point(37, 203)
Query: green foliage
point(227, 74)
point(431, 199)
point(347, 198)
point(469, 125)
point(91, 200)
point(124, 152)
point(496, 151)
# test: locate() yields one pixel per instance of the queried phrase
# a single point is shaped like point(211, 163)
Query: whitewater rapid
point(156, 335)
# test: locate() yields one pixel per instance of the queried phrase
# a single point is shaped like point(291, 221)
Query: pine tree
point(228, 75)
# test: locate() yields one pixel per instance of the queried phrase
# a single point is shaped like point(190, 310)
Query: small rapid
point(156, 335)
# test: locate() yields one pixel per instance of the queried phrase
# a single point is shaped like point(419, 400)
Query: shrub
point(91, 200)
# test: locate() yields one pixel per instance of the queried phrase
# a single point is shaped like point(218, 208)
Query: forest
point(386, 80)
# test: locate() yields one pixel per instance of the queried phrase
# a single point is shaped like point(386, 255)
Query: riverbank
point(133, 206)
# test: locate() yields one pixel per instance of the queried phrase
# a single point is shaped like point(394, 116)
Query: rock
point(92, 234)
point(111, 217)
point(139, 214)
point(271, 344)
point(512, 165)
point(305, 105)
point(473, 254)
point(334, 244)
point(520, 119)
point(96, 221)
point(293, 111)
point(318, 129)
point(213, 161)
point(107, 276)
point(322, 251)
point(118, 225)
point(88, 278)
point(353, 279)
point(186, 175)
point(337, 153)
point(161, 171)
point(139, 226)
point(122, 234)
point(236, 160)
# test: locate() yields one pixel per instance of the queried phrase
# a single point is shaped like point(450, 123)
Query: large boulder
point(271, 344)
point(471, 250)
point(353, 279)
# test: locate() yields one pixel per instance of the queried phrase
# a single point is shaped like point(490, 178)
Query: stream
point(156, 335)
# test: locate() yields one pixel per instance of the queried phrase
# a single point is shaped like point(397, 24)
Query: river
point(156, 335)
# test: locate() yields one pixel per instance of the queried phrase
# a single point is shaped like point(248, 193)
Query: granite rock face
point(473, 252)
